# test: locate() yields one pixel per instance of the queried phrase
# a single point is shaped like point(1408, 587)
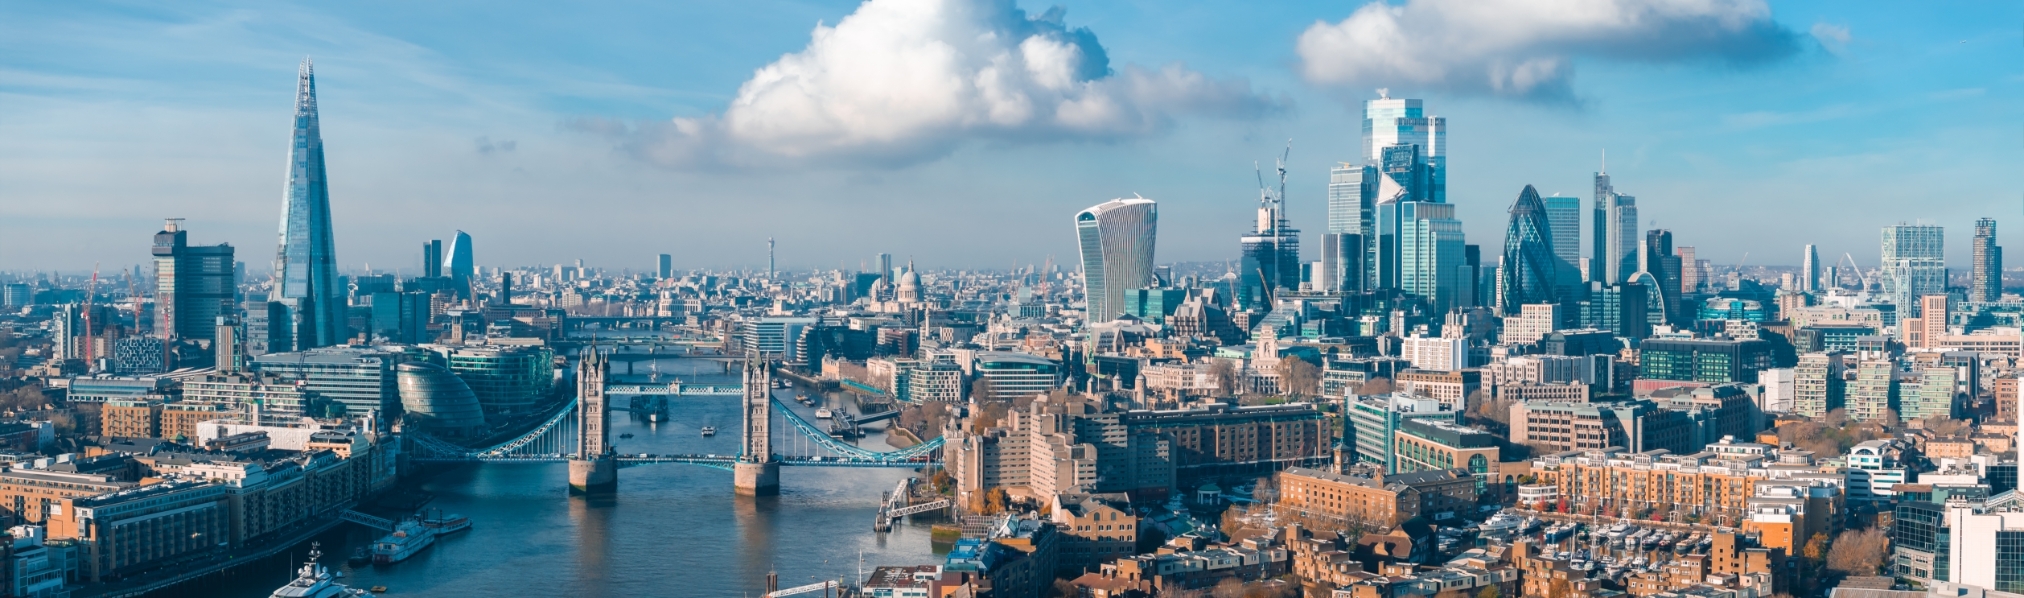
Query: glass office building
point(436, 400)
point(507, 380)
point(361, 379)
point(1116, 239)
point(1530, 261)
point(1012, 374)
point(1914, 265)
point(193, 285)
point(306, 280)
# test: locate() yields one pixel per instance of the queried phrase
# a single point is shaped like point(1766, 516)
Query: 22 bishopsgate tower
point(305, 265)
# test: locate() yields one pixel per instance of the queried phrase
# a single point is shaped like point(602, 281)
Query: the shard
point(305, 266)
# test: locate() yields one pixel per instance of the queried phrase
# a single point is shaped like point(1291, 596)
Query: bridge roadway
point(723, 462)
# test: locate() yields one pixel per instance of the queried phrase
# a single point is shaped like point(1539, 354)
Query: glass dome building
point(439, 402)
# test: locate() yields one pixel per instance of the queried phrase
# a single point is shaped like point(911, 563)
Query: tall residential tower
point(1986, 281)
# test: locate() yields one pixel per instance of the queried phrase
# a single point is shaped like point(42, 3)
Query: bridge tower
point(756, 472)
point(594, 469)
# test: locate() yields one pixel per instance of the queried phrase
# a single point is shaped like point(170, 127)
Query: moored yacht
point(313, 580)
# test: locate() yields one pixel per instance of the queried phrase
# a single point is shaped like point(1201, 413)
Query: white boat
point(447, 524)
point(315, 581)
point(709, 431)
point(409, 537)
point(822, 413)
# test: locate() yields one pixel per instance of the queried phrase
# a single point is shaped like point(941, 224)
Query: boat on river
point(410, 537)
point(823, 413)
point(314, 580)
point(709, 431)
point(447, 524)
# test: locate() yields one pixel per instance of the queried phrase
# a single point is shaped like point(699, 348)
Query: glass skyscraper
point(1389, 122)
point(1564, 214)
point(305, 266)
point(1431, 260)
point(1986, 281)
point(1531, 270)
point(1116, 238)
point(1914, 265)
point(459, 259)
point(193, 285)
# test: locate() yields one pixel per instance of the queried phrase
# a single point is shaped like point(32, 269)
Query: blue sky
point(614, 131)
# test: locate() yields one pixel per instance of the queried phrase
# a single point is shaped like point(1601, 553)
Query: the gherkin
point(305, 265)
point(1528, 269)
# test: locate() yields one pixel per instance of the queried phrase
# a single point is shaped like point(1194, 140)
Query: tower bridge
point(580, 434)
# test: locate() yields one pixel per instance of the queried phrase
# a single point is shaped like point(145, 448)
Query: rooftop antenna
point(1605, 161)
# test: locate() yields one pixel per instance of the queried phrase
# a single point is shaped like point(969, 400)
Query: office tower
point(1116, 238)
point(432, 258)
point(1809, 270)
point(1914, 265)
point(1472, 269)
point(1563, 215)
point(305, 266)
point(1530, 267)
point(1270, 257)
point(1622, 260)
point(1656, 259)
point(1986, 281)
point(1618, 308)
point(1431, 258)
point(505, 288)
point(885, 269)
point(458, 261)
point(667, 266)
point(1598, 234)
point(769, 258)
point(193, 285)
point(1351, 190)
point(1690, 270)
point(1405, 160)
point(1391, 123)
point(401, 317)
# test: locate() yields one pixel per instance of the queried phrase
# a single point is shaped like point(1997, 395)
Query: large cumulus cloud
point(1524, 48)
point(900, 81)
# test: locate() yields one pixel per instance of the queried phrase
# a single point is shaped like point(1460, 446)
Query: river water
point(672, 530)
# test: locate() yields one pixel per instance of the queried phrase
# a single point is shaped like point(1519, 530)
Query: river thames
point(672, 530)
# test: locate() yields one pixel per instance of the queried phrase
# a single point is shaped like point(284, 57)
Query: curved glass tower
point(459, 259)
point(305, 266)
point(1529, 273)
point(438, 401)
point(1116, 238)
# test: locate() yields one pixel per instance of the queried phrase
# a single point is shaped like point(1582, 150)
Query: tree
point(1490, 591)
point(1230, 587)
point(1816, 547)
point(1858, 552)
point(1375, 386)
point(1065, 589)
point(1890, 419)
point(1223, 375)
point(1559, 588)
point(1941, 425)
point(1299, 378)
point(980, 390)
point(994, 501)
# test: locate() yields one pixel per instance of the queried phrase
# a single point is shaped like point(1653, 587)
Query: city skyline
point(526, 150)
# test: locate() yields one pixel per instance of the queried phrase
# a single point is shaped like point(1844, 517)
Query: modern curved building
point(459, 260)
point(1529, 259)
point(1116, 238)
point(438, 401)
point(507, 379)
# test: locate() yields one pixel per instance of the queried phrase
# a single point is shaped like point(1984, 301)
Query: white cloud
point(1525, 48)
point(901, 81)
point(1833, 37)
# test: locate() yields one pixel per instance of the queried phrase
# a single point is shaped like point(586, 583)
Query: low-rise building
point(1095, 529)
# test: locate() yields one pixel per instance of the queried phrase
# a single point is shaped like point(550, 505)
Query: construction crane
point(1859, 277)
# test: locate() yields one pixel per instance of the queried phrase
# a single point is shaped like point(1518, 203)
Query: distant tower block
point(594, 470)
point(756, 473)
